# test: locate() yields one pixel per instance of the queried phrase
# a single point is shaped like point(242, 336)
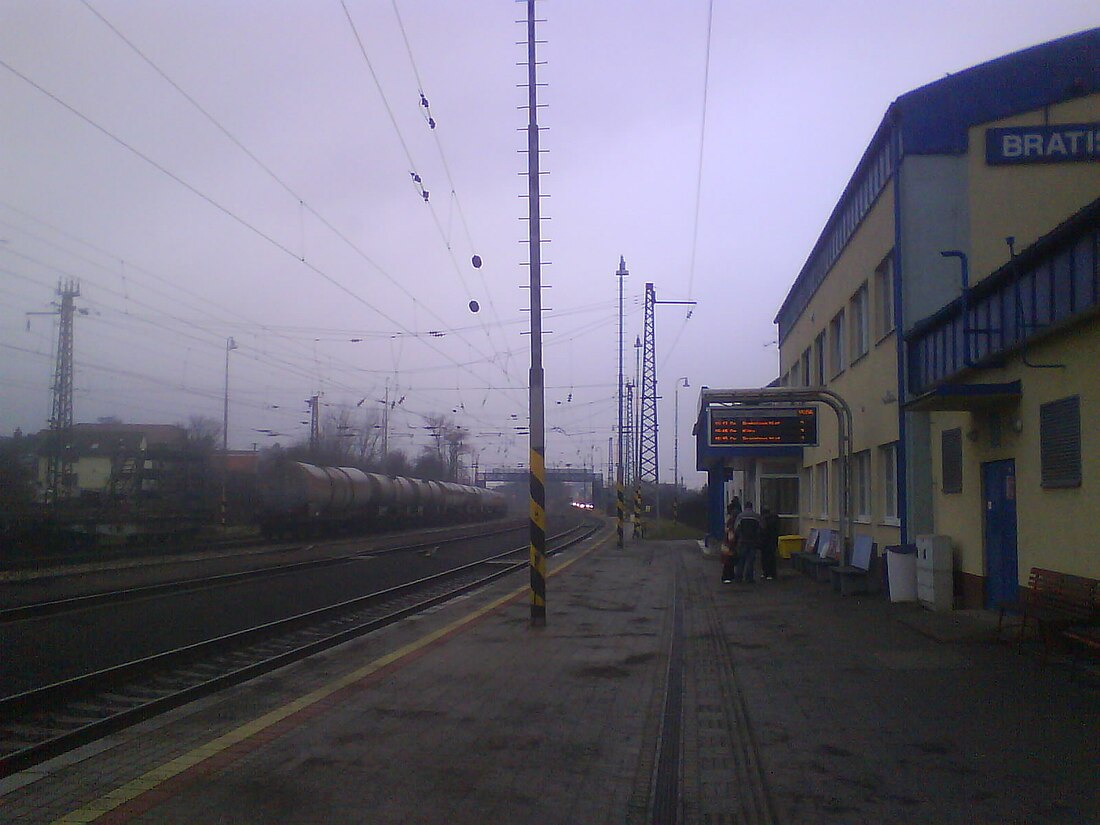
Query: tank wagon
point(300, 498)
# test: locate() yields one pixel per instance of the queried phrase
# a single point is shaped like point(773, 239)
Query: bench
point(849, 579)
point(810, 550)
point(1083, 639)
point(1053, 603)
point(828, 555)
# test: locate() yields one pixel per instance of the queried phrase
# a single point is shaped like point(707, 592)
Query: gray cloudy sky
point(285, 216)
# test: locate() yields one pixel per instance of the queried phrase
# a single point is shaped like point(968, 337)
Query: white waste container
point(901, 570)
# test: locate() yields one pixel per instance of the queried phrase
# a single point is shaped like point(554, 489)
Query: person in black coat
point(770, 546)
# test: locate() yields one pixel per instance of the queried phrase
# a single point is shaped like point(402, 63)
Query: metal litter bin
point(789, 545)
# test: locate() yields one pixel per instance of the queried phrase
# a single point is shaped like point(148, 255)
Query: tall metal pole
point(386, 424)
point(230, 344)
point(620, 492)
point(537, 393)
point(676, 451)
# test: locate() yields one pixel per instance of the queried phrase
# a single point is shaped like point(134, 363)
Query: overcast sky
point(217, 168)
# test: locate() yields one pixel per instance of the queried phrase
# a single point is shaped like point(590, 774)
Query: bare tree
point(203, 433)
point(450, 444)
point(395, 463)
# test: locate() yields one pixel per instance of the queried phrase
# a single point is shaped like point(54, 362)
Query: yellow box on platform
point(789, 545)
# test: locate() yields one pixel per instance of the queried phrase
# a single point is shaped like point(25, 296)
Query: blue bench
point(797, 559)
point(827, 555)
point(856, 577)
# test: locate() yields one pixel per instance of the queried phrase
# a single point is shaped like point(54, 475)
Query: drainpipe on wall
point(899, 473)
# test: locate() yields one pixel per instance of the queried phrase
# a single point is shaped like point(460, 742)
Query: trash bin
point(789, 545)
point(901, 572)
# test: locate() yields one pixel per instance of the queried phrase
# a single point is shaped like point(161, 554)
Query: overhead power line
point(224, 210)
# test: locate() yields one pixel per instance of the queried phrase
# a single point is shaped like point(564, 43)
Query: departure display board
point(763, 427)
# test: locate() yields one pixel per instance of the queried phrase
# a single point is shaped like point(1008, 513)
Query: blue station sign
point(1064, 143)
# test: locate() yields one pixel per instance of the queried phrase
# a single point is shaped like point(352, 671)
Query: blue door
point(1002, 579)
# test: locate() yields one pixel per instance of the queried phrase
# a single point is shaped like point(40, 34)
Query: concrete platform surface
point(654, 694)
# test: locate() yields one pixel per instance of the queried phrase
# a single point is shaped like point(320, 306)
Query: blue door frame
point(1002, 577)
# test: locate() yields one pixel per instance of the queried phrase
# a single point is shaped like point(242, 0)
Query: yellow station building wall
point(1056, 528)
point(1025, 201)
point(863, 383)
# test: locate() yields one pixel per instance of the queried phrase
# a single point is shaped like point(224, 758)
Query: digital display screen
point(763, 427)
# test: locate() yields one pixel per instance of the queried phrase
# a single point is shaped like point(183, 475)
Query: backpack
point(749, 532)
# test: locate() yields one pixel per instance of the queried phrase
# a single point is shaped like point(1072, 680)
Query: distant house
point(117, 459)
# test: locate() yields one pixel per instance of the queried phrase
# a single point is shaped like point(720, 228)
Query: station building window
point(860, 327)
point(836, 344)
point(779, 494)
point(1060, 442)
point(861, 485)
point(807, 378)
point(819, 359)
point(884, 297)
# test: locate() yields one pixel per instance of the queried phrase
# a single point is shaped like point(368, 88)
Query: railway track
point(58, 606)
point(44, 722)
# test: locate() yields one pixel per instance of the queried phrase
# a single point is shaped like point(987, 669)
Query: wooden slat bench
point(1085, 639)
point(1054, 602)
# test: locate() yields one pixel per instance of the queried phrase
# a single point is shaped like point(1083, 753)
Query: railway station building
point(952, 301)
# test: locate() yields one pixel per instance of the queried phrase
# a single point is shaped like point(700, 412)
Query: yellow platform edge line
point(162, 773)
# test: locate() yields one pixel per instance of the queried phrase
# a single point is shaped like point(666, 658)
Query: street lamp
point(676, 450)
point(230, 344)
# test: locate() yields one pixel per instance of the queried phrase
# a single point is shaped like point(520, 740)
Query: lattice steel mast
point(59, 469)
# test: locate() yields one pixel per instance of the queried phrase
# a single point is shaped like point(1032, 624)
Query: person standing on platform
point(733, 509)
point(748, 533)
point(770, 545)
point(729, 551)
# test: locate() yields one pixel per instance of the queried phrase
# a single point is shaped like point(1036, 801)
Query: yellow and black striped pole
point(638, 511)
point(620, 502)
point(538, 540)
point(537, 394)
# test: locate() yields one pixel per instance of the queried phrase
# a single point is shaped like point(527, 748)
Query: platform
point(654, 694)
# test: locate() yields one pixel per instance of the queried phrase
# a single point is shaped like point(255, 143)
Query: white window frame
point(807, 379)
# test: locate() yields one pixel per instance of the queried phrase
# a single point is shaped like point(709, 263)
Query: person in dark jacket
point(770, 545)
point(748, 533)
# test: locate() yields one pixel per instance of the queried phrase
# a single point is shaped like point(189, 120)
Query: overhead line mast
point(537, 392)
point(59, 470)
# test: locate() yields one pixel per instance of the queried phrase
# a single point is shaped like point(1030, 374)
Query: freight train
point(303, 499)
